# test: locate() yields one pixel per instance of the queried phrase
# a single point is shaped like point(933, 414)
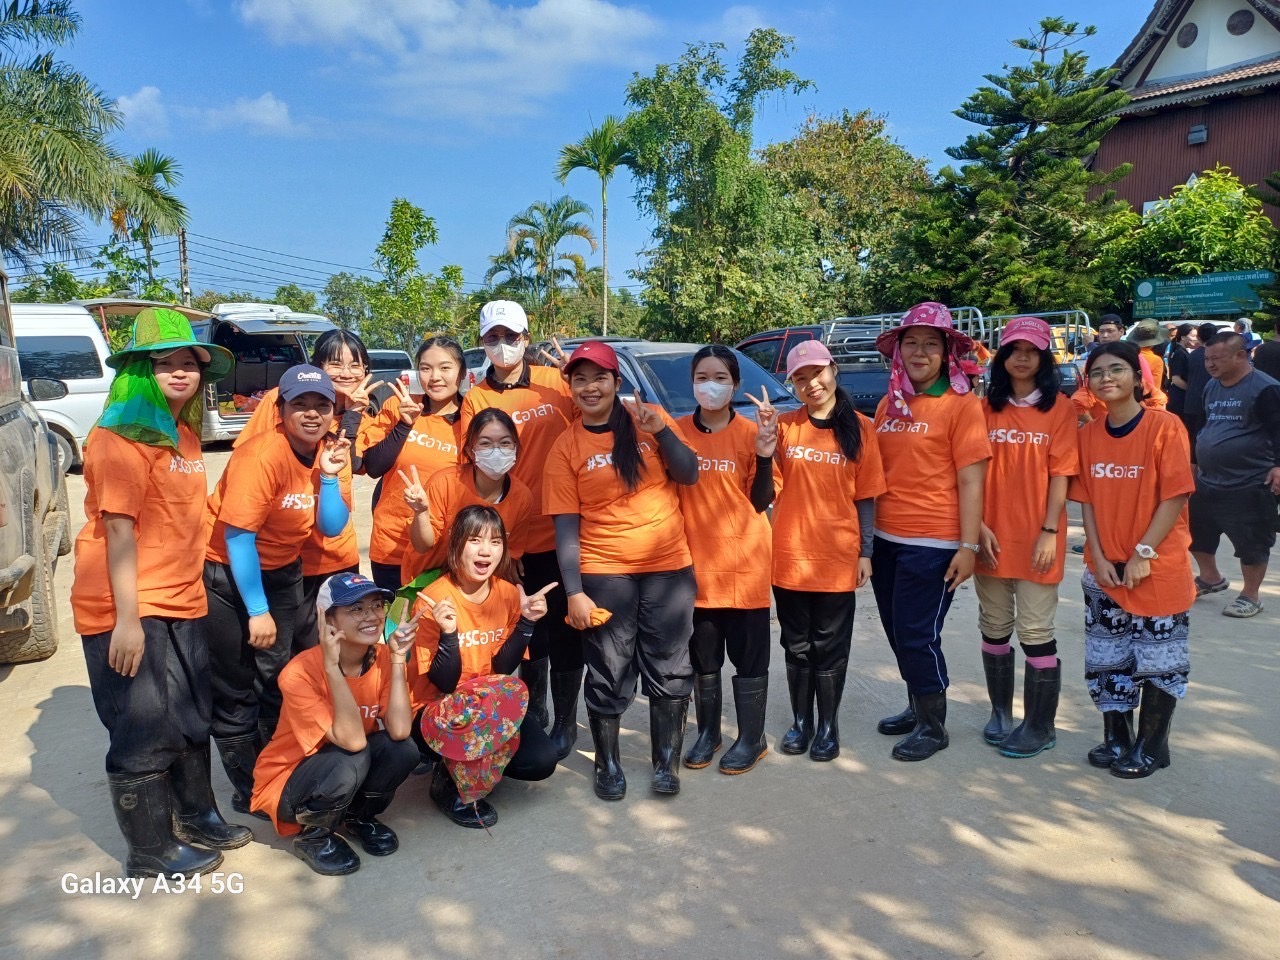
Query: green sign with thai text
point(1208, 293)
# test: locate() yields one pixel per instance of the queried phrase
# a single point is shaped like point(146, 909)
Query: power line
point(233, 255)
point(280, 254)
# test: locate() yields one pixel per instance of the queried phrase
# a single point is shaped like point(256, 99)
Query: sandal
point(1242, 608)
point(1204, 588)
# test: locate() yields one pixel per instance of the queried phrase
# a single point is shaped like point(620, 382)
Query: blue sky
point(297, 121)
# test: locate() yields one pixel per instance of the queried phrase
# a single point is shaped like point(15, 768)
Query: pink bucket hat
point(809, 353)
point(1031, 329)
point(928, 314)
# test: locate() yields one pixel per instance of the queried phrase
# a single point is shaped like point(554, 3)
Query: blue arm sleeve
point(246, 569)
point(331, 512)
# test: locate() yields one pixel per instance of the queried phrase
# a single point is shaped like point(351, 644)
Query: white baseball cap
point(503, 313)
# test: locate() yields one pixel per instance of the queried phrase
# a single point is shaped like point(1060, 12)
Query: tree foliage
point(146, 205)
point(535, 235)
point(346, 300)
point(301, 301)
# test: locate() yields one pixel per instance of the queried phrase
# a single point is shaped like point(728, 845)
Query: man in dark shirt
point(1238, 454)
point(1267, 358)
point(1197, 376)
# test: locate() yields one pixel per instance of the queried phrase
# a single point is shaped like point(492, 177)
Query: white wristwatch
point(1146, 552)
point(972, 546)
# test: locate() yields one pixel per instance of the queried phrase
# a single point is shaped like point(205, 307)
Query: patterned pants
point(1122, 650)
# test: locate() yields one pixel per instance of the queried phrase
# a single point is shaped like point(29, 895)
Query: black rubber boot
point(319, 847)
point(1150, 751)
point(144, 810)
point(361, 821)
point(566, 688)
point(239, 754)
point(534, 673)
point(707, 699)
point(826, 738)
point(1040, 689)
point(666, 735)
point(610, 781)
point(930, 732)
point(196, 818)
point(476, 816)
point(899, 723)
point(803, 691)
point(999, 671)
point(1117, 738)
point(749, 697)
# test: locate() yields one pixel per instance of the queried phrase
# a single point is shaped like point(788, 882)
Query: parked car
point(63, 341)
point(386, 365)
point(34, 515)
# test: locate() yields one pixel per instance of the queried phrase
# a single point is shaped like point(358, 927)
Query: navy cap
point(344, 589)
point(305, 378)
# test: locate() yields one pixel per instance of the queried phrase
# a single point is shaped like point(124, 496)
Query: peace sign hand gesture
point(410, 409)
point(646, 418)
point(401, 639)
point(357, 397)
point(766, 424)
point(559, 359)
point(414, 494)
point(534, 608)
point(334, 455)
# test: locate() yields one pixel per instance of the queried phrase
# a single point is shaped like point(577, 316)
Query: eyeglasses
point(368, 610)
point(356, 368)
point(493, 339)
point(506, 446)
point(1110, 373)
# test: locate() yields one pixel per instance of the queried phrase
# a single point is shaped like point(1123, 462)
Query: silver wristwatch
point(972, 546)
point(1146, 552)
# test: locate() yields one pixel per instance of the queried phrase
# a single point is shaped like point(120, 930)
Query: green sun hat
point(158, 331)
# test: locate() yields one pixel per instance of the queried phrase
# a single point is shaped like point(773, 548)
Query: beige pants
point(1006, 605)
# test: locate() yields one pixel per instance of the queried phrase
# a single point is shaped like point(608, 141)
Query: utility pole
point(184, 274)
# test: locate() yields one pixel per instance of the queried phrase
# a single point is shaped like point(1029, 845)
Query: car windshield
point(671, 375)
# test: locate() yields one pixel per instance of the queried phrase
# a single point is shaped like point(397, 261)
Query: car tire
point(62, 509)
point(66, 453)
point(40, 640)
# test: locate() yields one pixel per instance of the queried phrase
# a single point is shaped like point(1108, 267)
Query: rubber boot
point(610, 781)
point(1150, 751)
point(479, 815)
point(999, 670)
point(826, 738)
point(196, 818)
point(930, 732)
point(899, 723)
point(666, 735)
point(361, 821)
point(802, 690)
point(707, 697)
point(144, 810)
point(749, 697)
point(319, 847)
point(239, 754)
point(534, 673)
point(566, 688)
point(1040, 689)
point(1117, 738)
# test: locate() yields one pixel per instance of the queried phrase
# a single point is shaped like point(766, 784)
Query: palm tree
point(602, 150)
point(146, 205)
point(519, 278)
point(543, 227)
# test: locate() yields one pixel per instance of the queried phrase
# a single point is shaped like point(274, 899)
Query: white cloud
point(464, 58)
point(738, 21)
point(144, 113)
point(266, 114)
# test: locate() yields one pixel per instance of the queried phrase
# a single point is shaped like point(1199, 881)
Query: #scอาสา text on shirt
point(813, 455)
point(1003, 435)
point(431, 443)
point(1115, 471)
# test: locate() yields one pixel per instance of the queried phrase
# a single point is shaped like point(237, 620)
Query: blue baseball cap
point(305, 378)
point(344, 589)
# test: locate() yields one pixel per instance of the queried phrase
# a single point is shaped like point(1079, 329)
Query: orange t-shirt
point(306, 717)
point(1125, 479)
point(448, 492)
point(1156, 362)
point(637, 532)
point(164, 492)
point(816, 537)
point(921, 459)
point(432, 445)
point(542, 411)
point(265, 488)
point(729, 541)
point(1027, 449)
point(482, 630)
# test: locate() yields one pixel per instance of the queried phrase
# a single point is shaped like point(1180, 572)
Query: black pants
point(647, 638)
point(534, 759)
point(306, 629)
point(552, 637)
point(163, 711)
point(913, 600)
point(331, 777)
point(244, 680)
point(816, 629)
point(386, 575)
point(743, 633)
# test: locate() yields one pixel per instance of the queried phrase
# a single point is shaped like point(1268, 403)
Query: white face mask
point(505, 354)
point(711, 395)
point(495, 463)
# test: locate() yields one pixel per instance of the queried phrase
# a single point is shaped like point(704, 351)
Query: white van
point(63, 341)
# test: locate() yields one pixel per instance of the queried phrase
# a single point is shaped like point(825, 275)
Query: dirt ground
point(966, 855)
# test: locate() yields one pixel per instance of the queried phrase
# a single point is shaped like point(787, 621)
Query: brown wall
point(1244, 134)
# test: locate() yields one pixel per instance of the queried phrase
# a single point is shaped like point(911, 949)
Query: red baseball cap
point(599, 353)
point(1031, 329)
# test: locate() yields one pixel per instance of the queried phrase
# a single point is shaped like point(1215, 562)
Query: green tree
point(1016, 225)
point(731, 252)
point(601, 151)
point(407, 301)
point(301, 301)
point(541, 228)
point(1267, 318)
point(346, 300)
point(208, 299)
point(146, 205)
point(516, 275)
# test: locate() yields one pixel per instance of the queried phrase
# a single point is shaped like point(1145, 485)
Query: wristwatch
point(1146, 552)
point(972, 546)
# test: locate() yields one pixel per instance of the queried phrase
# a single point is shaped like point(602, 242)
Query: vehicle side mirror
point(46, 388)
